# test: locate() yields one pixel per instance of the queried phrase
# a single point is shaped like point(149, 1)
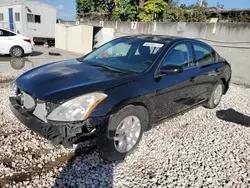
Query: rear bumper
point(64, 133)
point(27, 48)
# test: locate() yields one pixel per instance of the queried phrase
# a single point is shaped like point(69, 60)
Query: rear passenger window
point(180, 55)
point(204, 54)
point(4, 33)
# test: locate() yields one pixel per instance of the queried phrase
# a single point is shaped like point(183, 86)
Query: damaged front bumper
point(59, 133)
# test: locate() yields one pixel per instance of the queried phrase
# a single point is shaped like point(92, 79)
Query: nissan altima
point(119, 91)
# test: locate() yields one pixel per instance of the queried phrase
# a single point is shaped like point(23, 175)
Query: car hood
point(60, 81)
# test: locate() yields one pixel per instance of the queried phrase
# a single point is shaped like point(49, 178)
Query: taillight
point(27, 40)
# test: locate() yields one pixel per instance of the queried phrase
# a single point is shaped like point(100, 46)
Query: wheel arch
point(137, 103)
point(226, 85)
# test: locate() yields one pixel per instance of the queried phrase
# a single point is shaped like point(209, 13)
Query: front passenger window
point(203, 54)
point(180, 55)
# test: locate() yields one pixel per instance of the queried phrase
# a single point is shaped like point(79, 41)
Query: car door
point(175, 92)
point(207, 69)
point(6, 41)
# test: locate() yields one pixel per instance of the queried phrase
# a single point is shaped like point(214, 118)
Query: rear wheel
point(216, 96)
point(121, 134)
point(16, 51)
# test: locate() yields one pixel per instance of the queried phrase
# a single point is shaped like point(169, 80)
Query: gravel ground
point(193, 150)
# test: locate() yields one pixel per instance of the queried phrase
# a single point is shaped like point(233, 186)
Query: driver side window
point(180, 55)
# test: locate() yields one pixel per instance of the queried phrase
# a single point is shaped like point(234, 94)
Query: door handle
point(192, 79)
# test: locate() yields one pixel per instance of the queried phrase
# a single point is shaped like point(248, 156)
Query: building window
point(30, 17)
point(17, 16)
point(37, 19)
point(1, 17)
point(34, 18)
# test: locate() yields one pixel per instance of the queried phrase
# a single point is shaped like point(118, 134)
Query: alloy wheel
point(218, 94)
point(127, 134)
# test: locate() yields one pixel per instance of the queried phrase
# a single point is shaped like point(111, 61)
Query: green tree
point(174, 14)
point(172, 3)
point(125, 11)
point(244, 17)
point(85, 6)
point(203, 3)
point(152, 10)
point(199, 14)
point(220, 6)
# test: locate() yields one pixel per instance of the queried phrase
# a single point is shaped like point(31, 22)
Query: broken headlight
point(77, 109)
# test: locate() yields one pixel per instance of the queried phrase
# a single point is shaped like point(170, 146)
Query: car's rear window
point(4, 33)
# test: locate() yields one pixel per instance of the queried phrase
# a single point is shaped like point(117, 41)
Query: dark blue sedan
point(119, 91)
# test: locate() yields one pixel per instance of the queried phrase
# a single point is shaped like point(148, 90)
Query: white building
point(29, 18)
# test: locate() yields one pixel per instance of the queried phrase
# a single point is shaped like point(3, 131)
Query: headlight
point(77, 109)
point(13, 89)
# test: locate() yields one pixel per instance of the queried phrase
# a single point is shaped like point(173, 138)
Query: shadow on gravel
point(86, 168)
point(232, 115)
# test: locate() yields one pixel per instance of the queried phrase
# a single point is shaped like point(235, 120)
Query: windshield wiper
point(107, 67)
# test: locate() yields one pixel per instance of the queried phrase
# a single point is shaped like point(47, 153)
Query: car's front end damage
point(34, 114)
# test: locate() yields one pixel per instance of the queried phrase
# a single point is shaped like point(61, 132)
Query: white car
point(14, 44)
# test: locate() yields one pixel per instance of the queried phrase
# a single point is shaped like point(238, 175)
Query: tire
point(107, 134)
point(213, 102)
point(16, 51)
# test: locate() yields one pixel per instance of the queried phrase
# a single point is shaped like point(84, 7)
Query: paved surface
point(39, 57)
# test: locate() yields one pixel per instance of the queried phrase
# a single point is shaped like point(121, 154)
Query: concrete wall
point(74, 38)
point(231, 40)
point(61, 37)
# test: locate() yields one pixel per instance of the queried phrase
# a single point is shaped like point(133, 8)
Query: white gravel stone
point(191, 150)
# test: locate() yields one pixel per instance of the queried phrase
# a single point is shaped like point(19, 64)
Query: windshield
point(126, 54)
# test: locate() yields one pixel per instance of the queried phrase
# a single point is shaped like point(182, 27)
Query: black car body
point(165, 75)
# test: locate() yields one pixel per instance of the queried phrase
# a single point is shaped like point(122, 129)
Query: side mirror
point(171, 69)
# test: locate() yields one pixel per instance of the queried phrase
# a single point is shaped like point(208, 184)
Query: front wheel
point(216, 96)
point(121, 134)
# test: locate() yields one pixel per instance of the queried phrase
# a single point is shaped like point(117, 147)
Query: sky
point(66, 8)
point(228, 4)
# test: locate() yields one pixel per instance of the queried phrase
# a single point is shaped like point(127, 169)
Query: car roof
point(156, 38)
point(166, 39)
point(7, 30)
